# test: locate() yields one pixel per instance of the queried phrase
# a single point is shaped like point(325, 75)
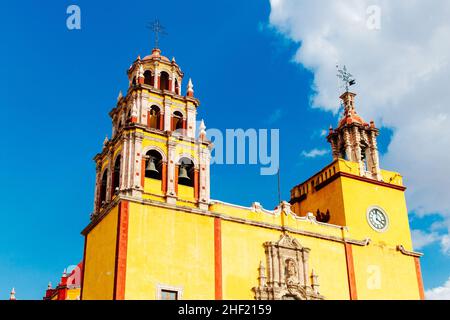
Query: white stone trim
point(156, 148)
point(188, 156)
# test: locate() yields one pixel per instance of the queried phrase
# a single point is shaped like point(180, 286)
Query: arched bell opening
point(186, 172)
point(153, 165)
point(154, 118)
point(103, 186)
point(148, 78)
point(177, 121)
point(164, 81)
point(116, 176)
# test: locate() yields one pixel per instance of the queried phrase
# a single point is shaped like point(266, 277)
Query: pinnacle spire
point(190, 88)
point(202, 128)
point(12, 295)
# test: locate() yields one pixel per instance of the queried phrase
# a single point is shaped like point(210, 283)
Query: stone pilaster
point(97, 187)
point(108, 180)
point(191, 121)
point(167, 116)
point(136, 160)
point(204, 192)
point(171, 196)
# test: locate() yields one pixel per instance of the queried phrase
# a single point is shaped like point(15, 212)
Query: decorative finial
point(262, 275)
point(158, 29)
point(190, 88)
point(138, 58)
point(173, 60)
point(105, 142)
point(202, 128)
point(12, 295)
point(261, 265)
point(49, 286)
point(120, 96)
point(64, 273)
point(346, 77)
point(315, 281)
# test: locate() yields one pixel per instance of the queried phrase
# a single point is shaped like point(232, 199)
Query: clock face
point(377, 219)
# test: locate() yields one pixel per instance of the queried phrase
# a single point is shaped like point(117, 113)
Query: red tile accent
point(218, 258)
point(121, 252)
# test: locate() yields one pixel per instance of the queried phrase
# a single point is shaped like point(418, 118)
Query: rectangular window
point(169, 295)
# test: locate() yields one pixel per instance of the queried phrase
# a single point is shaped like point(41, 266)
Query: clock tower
point(354, 192)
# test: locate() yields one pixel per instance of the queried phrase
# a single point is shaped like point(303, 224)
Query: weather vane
point(158, 29)
point(346, 77)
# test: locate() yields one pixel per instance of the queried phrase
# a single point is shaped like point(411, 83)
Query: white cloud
point(314, 153)
point(402, 71)
point(422, 239)
point(439, 293)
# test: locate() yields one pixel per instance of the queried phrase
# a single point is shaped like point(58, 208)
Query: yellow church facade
point(156, 234)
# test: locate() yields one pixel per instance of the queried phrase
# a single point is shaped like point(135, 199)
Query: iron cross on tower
point(158, 29)
point(346, 77)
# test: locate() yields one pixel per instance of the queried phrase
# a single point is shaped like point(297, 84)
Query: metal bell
point(151, 167)
point(183, 173)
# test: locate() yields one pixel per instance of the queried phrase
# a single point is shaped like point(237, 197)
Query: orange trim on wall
point(161, 122)
point(419, 278)
point(176, 179)
point(350, 271)
point(218, 258)
point(196, 185)
point(121, 252)
point(143, 172)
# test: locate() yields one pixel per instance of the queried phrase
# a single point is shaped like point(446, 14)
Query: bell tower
point(355, 140)
point(154, 152)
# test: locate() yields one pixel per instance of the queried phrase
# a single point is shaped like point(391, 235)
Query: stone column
point(171, 194)
point(191, 118)
point(204, 187)
point(109, 180)
point(374, 156)
point(97, 187)
point(156, 79)
point(348, 147)
point(136, 160)
point(167, 116)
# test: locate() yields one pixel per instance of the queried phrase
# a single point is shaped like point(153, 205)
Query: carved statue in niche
point(286, 274)
point(291, 272)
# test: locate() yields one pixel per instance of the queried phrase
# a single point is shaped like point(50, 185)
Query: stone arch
point(188, 156)
point(156, 148)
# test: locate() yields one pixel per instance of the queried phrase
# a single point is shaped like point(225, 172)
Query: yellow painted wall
point(73, 294)
point(100, 259)
point(358, 196)
point(153, 186)
point(382, 273)
point(331, 199)
point(169, 247)
point(242, 247)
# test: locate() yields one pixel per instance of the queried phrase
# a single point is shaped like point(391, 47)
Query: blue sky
point(57, 87)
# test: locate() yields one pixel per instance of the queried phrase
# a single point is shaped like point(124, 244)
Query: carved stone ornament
point(286, 275)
